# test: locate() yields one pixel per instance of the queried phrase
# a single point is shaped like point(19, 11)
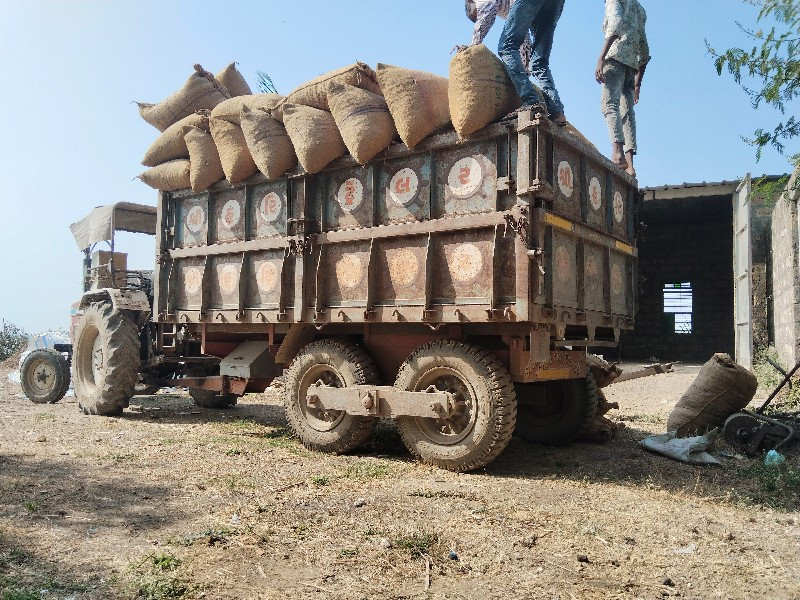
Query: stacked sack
point(215, 128)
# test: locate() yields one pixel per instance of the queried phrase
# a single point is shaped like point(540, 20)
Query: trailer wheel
point(336, 364)
point(106, 360)
point(478, 425)
point(562, 413)
point(44, 376)
point(212, 399)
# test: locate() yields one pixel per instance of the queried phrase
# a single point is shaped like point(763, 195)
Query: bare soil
point(173, 501)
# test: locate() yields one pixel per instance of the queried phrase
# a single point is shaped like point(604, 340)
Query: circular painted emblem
point(563, 264)
point(267, 276)
point(229, 280)
point(349, 271)
point(619, 207)
point(616, 280)
point(592, 272)
point(566, 179)
point(403, 267)
point(231, 214)
point(404, 186)
point(271, 207)
point(465, 177)
point(466, 262)
point(195, 219)
point(351, 195)
point(192, 280)
point(595, 193)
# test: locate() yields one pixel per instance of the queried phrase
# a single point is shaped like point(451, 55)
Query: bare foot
point(631, 171)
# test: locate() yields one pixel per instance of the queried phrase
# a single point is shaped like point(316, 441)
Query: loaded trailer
point(454, 288)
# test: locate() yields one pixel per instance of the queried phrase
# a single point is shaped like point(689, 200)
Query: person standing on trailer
point(620, 70)
point(540, 17)
point(484, 13)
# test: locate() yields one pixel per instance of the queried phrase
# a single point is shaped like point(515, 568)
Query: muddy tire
point(479, 423)
point(105, 360)
point(44, 376)
point(212, 399)
point(336, 364)
point(556, 413)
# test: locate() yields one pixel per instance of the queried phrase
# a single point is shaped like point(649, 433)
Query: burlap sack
point(168, 177)
point(417, 101)
point(269, 144)
point(480, 90)
point(315, 92)
point(237, 163)
point(171, 144)
point(201, 91)
point(229, 110)
point(233, 81)
point(205, 165)
point(314, 134)
point(363, 119)
point(721, 389)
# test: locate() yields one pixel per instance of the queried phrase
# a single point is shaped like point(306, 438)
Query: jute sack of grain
point(721, 388)
point(201, 91)
point(315, 137)
point(229, 110)
point(480, 90)
point(168, 177)
point(233, 81)
point(417, 101)
point(269, 144)
point(363, 119)
point(237, 163)
point(205, 165)
point(171, 144)
point(315, 92)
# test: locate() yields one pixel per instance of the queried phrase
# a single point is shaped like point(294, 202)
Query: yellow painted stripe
point(555, 221)
point(627, 249)
point(546, 374)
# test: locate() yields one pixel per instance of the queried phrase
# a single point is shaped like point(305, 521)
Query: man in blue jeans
point(540, 17)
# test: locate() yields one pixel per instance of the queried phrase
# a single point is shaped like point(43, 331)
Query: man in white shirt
point(484, 13)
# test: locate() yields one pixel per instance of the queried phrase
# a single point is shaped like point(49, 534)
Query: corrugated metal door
point(742, 269)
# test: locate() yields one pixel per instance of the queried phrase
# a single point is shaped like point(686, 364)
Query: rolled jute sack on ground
point(229, 110)
point(721, 389)
point(314, 93)
point(168, 177)
point(205, 165)
point(417, 101)
point(363, 119)
point(480, 90)
point(237, 162)
point(233, 81)
point(171, 144)
point(314, 134)
point(269, 144)
point(201, 91)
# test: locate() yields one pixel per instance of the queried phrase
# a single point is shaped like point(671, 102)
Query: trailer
point(454, 288)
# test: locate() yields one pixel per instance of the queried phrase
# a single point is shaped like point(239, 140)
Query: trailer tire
point(481, 420)
point(106, 360)
point(337, 364)
point(565, 416)
point(44, 376)
point(212, 399)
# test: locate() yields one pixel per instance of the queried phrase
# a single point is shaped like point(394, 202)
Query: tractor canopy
point(100, 224)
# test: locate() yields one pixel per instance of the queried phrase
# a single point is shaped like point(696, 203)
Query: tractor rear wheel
point(106, 360)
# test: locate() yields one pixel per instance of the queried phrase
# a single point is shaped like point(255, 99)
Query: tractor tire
point(44, 376)
point(479, 423)
point(335, 364)
point(562, 416)
point(106, 360)
point(212, 399)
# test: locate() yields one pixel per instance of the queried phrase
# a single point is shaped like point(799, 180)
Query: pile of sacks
point(214, 127)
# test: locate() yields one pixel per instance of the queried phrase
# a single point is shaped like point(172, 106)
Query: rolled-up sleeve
point(614, 21)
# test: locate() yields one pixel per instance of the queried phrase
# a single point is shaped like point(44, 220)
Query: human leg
point(543, 29)
point(628, 118)
point(520, 18)
point(614, 75)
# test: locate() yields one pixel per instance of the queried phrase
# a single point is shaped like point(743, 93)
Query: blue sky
point(72, 139)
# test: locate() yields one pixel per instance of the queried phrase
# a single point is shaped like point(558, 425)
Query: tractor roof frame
point(100, 224)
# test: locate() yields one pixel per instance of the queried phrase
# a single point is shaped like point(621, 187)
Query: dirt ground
point(172, 501)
